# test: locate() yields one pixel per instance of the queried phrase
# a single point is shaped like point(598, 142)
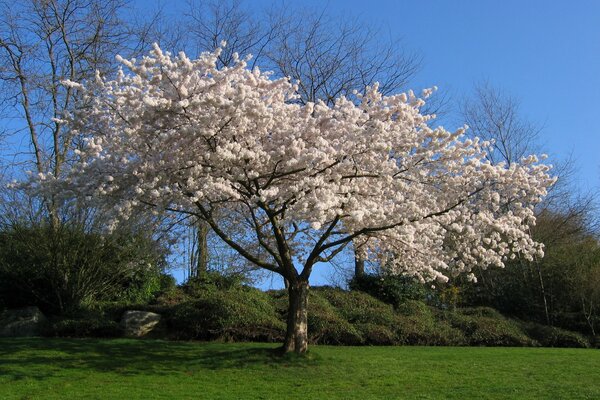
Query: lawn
point(152, 369)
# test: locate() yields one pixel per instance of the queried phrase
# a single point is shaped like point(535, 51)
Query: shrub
point(213, 280)
point(481, 312)
point(326, 325)
point(484, 327)
point(390, 289)
point(359, 307)
point(377, 334)
point(101, 328)
point(549, 336)
point(62, 269)
point(242, 314)
point(420, 326)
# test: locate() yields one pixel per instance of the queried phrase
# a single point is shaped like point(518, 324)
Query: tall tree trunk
point(543, 291)
point(202, 250)
point(359, 261)
point(359, 266)
point(296, 338)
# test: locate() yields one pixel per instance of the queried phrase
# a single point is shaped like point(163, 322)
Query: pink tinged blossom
point(183, 135)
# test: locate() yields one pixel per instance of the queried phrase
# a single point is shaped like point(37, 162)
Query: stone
point(139, 323)
point(22, 322)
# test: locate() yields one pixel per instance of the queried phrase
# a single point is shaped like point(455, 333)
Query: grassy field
point(148, 369)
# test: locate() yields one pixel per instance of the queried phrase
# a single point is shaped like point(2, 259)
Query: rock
point(139, 323)
point(26, 321)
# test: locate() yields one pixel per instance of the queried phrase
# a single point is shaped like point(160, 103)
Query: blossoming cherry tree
point(288, 185)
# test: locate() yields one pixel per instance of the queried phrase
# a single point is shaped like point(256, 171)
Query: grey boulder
point(139, 323)
point(22, 322)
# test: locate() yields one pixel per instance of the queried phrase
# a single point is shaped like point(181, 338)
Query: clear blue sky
point(545, 53)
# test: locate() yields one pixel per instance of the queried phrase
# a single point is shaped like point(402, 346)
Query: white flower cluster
point(181, 134)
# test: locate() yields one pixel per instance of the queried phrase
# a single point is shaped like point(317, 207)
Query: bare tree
point(495, 116)
point(42, 44)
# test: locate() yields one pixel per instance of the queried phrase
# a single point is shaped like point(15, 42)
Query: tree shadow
point(40, 358)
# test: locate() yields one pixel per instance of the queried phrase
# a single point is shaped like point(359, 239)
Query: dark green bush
point(549, 336)
point(62, 269)
point(359, 307)
point(76, 328)
point(326, 325)
point(481, 312)
point(241, 314)
point(391, 289)
point(212, 280)
point(420, 326)
point(493, 330)
point(380, 335)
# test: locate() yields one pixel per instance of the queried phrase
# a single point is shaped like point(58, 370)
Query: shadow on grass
point(41, 358)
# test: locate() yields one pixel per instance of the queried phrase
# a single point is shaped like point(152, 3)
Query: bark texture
point(296, 339)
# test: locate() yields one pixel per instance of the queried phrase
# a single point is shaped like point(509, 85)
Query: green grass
point(151, 369)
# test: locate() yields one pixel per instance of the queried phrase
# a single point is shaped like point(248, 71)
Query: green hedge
point(549, 336)
point(205, 311)
point(240, 314)
point(485, 327)
point(79, 328)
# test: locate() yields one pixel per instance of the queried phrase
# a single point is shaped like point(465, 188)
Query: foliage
point(550, 336)
point(213, 280)
point(327, 326)
point(485, 328)
point(421, 326)
point(80, 328)
point(64, 268)
point(238, 314)
point(391, 289)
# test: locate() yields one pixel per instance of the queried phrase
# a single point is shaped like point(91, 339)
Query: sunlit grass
point(151, 369)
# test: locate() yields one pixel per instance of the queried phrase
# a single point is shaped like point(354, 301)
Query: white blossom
point(183, 135)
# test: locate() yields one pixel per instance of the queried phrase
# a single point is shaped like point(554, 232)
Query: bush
point(481, 312)
point(213, 280)
point(390, 289)
point(379, 335)
point(62, 269)
point(359, 307)
point(78, 328)
point(485, 327)
point(326, 325)
point(420, 326)
point(549, 336)
point(242, 314)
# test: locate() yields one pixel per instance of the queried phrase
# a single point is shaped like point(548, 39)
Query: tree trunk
point(296, 338)
point(359, 261)
point(202, 250)
point(359, 266)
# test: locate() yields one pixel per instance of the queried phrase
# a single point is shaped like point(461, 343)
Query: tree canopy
point(232, 147)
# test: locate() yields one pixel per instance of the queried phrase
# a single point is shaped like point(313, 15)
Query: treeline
point(217, 307)
point(84, 283)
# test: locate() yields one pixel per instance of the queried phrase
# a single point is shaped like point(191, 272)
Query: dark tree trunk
point(202, 248)
point(359, 266)
point(296, 338)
